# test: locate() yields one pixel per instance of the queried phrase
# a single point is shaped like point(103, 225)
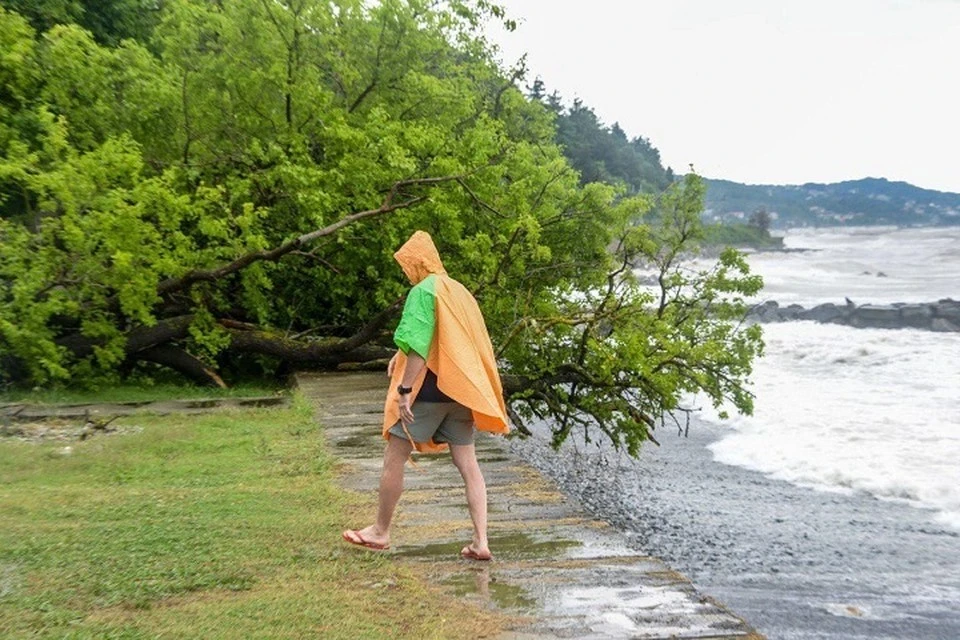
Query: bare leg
point(391, 486)
point(465, 458)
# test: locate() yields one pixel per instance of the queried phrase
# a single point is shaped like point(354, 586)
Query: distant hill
point(870, 201)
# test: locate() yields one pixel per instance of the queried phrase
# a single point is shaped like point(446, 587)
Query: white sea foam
point(849, 409)
point(917, 265)
point(856, 409)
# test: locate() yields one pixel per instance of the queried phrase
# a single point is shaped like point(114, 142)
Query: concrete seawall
point(557, 572)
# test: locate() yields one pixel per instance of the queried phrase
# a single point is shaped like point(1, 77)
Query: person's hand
point(406, 413)
point(393, 364)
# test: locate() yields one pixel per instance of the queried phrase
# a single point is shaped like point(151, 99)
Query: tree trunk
point(181, 361)
point(318, 354)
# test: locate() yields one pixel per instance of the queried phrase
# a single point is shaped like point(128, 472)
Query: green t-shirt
point(419, 318)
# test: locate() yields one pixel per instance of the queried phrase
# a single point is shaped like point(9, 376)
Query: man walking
point(444, 384)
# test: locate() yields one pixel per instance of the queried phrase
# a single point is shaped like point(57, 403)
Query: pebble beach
point(799, 563)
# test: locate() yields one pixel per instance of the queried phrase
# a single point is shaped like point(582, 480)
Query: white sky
point(761, 91)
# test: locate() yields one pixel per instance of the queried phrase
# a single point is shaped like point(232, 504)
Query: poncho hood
point(418, 257)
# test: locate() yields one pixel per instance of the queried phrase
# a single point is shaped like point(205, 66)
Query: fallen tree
point(180, 203)
point(153, 343)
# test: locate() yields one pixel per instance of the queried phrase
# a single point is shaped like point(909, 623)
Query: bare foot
point(474, 551)
point(368, 537)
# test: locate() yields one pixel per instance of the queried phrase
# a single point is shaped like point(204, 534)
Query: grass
point(134, 393)
point(220, 526)
point(740, 235)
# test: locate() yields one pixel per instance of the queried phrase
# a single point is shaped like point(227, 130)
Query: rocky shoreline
point(800, 564)
point(942, 315)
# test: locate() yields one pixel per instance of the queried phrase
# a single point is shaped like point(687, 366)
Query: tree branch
point(179, 360)
point(138, 339)
point(477, 199)
point(321, 355)
point(369, 330)
point(185, 281)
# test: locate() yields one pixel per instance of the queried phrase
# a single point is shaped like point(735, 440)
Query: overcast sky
point(762, 91)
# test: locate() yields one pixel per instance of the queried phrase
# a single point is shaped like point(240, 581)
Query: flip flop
point(360, 541)
point(469, 554)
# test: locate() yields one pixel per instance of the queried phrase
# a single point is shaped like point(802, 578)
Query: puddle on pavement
point(508, 547)
point(201, 404)
point(361, 441)
point(262, 402)
point(484, 584)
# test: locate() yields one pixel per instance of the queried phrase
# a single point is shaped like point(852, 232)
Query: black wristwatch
point(402, 390)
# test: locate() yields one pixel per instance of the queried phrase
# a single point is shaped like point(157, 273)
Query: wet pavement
point(557, 572)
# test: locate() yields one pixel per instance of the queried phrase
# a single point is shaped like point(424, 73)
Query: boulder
point(769, 311)
point(943, 315)
point(828, 312)
point(881, 316)
point(943, 325)
point(948, 310)
point(916, 316)
point(792, 312)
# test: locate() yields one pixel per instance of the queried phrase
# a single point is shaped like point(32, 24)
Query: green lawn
point(220, 526)
point(134, 393)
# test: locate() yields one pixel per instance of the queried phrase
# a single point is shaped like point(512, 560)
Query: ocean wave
point(847, 409)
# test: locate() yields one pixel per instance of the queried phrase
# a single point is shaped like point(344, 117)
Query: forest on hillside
point(868, 201)
point(603, 153)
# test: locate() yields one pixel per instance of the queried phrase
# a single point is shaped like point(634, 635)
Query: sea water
point(868, 265)
point(845, 409)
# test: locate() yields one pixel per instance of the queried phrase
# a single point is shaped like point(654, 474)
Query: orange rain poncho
point(460, 353)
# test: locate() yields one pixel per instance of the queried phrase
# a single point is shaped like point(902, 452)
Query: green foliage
point(625, 355)
point(740, 235)
point(110, 22)
point(228, 129)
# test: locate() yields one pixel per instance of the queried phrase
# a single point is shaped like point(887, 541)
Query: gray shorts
point(448, 422)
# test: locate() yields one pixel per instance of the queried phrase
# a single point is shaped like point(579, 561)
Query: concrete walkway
point(557, 573)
